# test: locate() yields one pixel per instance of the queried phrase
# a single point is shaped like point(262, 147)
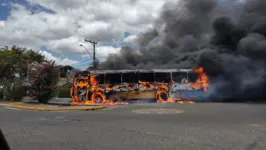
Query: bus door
point(96, 83)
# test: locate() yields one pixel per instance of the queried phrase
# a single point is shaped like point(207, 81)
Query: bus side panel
point(197, 95)
point(133, 95)
point(184, 91)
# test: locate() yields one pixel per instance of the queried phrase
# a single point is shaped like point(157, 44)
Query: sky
point(56, 28)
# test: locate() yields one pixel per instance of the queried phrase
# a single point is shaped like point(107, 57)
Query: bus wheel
point(98, 97)
point(161, 96)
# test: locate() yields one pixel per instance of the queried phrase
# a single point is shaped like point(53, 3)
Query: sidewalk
point(43, 107)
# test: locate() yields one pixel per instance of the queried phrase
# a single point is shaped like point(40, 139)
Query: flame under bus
point(123, 86)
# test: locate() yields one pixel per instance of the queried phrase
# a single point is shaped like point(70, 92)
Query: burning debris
point(226, 38)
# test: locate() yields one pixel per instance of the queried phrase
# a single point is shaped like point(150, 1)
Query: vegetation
point(19, 66)
point(43, 78)
point(1, 93)
point(18, 93)
point(15, 60)
point(64, 92)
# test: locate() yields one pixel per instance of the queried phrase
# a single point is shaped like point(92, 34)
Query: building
point(67, 71)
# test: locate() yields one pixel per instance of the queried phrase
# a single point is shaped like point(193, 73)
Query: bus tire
point(98, 97)
point(161, 96)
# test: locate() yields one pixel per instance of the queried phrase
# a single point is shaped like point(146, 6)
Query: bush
point(44, 78)
point(64, 93)
point(1, 94)
point(18, 93)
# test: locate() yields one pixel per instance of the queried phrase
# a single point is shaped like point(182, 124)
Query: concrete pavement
point(196, 126)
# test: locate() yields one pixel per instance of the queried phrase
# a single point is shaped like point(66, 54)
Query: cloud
point(62, 31)
point(63, 28)
point(101, 52)
point(59, 61)
point(131, 39)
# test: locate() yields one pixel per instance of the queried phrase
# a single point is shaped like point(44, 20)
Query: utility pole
point(93, 44)
point(94, 63)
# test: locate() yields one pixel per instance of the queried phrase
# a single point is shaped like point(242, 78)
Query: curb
point(51, 109)
point(5, 105)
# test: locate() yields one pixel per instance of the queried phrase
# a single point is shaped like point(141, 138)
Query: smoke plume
point(227, 39)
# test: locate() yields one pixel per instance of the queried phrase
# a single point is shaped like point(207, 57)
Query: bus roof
point(140, 71)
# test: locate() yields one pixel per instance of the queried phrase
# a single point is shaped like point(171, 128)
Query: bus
point(124, 86)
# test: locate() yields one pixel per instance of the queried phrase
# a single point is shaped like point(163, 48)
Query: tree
point(14, 63)
point(43, 78)
point(15, 60)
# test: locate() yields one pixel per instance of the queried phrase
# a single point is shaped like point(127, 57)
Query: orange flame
point(202, 81)
point(93, 80)
point(147, 85)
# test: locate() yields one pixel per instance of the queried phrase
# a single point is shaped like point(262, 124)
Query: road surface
point(139, 127)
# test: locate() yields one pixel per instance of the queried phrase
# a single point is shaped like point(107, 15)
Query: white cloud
point(101, 52)
point(64, 30)
point(104, 51)
point(131, 39)
point(59, 61)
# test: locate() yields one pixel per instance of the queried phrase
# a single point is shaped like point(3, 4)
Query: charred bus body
point(160, 85)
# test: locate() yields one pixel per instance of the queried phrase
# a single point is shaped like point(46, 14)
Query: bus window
point(81, 81)
point(179, 77)
point(192, 77)
point(99, 78)
point(163, 77)
point(146, 77)
point(113, 78)
point(85, 73)
point(130, 77)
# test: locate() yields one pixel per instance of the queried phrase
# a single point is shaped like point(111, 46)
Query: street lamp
point(95, 62)
point(86, 50)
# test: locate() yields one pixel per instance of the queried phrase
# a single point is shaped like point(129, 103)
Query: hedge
point(64, 93)
point(1, 94)
point(15, 95)
point(18, 93)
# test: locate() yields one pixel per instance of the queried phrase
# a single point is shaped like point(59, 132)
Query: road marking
point(159, 111)
point(12, 108)
point(258, 125)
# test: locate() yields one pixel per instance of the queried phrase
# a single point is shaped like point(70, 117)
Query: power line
point(80, 64)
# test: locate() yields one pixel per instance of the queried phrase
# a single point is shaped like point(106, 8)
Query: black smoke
point(228, 39)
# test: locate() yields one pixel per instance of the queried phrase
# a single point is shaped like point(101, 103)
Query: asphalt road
point(139, 127)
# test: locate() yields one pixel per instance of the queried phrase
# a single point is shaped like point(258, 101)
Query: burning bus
point(124, 86)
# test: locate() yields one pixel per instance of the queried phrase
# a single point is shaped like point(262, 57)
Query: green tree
point(15, 60)
point(14, 63)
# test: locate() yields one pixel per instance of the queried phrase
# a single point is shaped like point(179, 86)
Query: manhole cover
point(157, 111)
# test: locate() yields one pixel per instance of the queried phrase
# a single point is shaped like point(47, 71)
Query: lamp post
point(86, 50)
point(94, 62)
